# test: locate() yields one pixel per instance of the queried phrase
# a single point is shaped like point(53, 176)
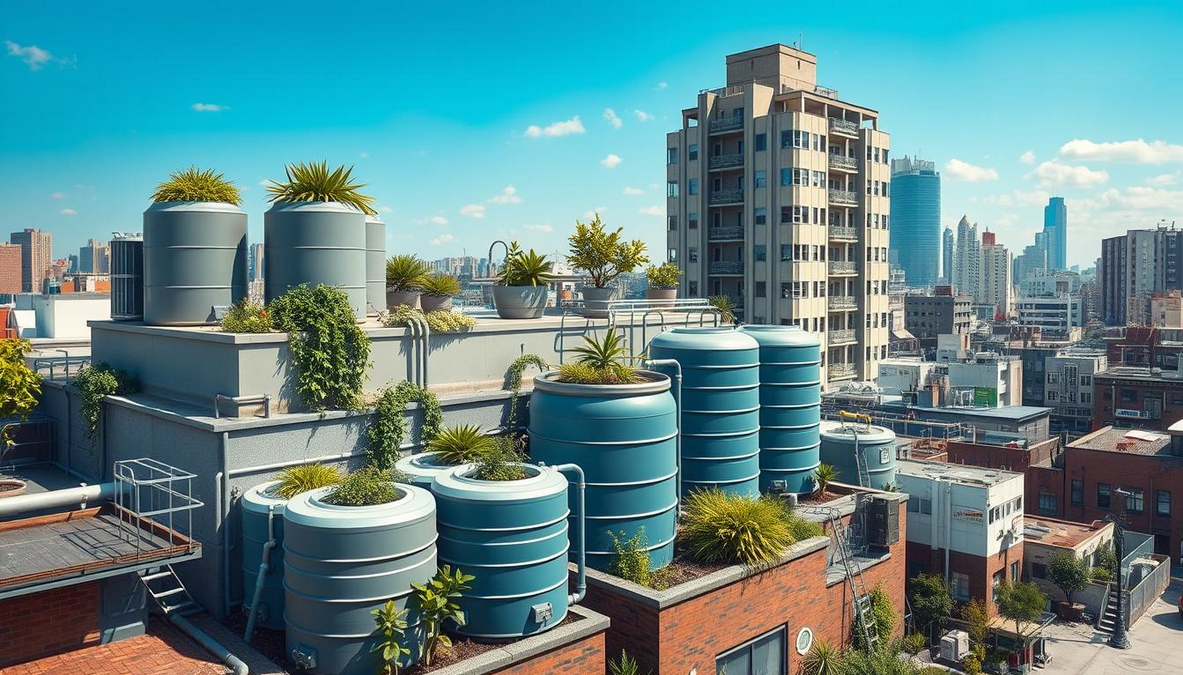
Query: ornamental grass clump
point(500, 463)
point(368, 486)
point(296, 479)
point(406, 272)
point(720, 527)
point(197, 185)
point(600, 361)
point(439, 321)
point(313, 182)
point(461, 444)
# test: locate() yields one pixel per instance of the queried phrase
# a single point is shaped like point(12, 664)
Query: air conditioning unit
point(883, 528)
point(954, 646)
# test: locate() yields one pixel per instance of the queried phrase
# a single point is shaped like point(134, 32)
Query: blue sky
point(434, 107)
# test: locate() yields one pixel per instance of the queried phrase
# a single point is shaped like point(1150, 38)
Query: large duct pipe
point(211, 645)
point(56, 499)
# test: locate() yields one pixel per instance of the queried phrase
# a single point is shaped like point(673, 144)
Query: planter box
point(1070, 612)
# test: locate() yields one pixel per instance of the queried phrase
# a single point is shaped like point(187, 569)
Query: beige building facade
point(778, 195)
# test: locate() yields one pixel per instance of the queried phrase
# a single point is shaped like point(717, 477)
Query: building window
point(761, 288)
point(693, 219)
point(961, 587)
point(1038, 571)
point(1136, 502)
point(673, 221)
point(786, 214)
point(671, 189)
point(1129, 395)
point(764, 655)
point(693, 289)
point(761, 215)
point(759, 252)
point(692, 152)
point(996, 584)
point(786, 177)
point(1047, 503)
point(1014, 571)
point(672, 156)
point(761, 178)
point(1102, 495)
point(1162, 502)
point(786, 139)
point(761, 142)
point(1077, 492)
point(786, 251)
point(692, 186)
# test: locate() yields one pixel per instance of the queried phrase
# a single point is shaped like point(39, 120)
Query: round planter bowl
point(519, 302)
point(668, 295)
point(435, 303)
point(595, 300)
point(11, 487)
point(395, 299)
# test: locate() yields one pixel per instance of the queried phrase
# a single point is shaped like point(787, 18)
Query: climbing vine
point(389, 428)
point(513, 382)
point(96, 382)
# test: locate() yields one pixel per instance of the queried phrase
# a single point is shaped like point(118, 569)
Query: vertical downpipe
point(260, 580)
point(581, 562)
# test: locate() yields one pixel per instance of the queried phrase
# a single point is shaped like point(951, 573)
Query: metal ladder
point(863, 615)
point(864, 473)
point(170, 594)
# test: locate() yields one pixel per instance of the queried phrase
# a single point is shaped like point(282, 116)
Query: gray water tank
point(342, 562)
point(316, 243)
point(375, 265)
point(255, 505)
point(127, 277)
point(876, 447)
point(194, 261)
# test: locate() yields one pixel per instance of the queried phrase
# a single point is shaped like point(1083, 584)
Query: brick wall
point(582, 657)
point(980, 569)
point(1001, 457)
point(51, 622)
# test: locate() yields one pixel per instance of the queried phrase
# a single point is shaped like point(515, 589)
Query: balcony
point(842, 336)
point(843, 302)
point(725, 124)
point(841, 371)
point(841, 127)
point(843, 233)
point(725, 197)
point(733, 161)
point(843, 197)
point(725, 233)
point(843, 268)
point(844, 163)
point(726, 267)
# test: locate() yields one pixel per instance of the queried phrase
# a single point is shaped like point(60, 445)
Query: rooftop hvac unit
point(127, 277)
point(884, 526)
point(954, 646)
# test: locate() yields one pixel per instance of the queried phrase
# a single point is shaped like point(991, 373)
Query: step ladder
point(168, 592)
point(863, 616)
point(864, 473)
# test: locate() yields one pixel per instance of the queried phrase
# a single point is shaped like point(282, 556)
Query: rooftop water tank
point(127, 277)
point(194, 261)
point(720, 406)
point(316, 243)
point(513, 537)
point(422, 468)
point(876, 448)
point(624, 436)
point(790, 407)
point(341, 562)
point(255, 504)
point(375, 265)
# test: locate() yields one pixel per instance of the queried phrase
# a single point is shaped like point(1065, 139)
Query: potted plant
point(450, 448)
point(604, 256)
point(405, 275)
point(315, 232)
point(663, 282)
point(438, 290)
point(194, 249)
point(522, 286)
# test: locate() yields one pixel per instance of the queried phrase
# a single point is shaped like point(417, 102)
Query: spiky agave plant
point(600, 361)
point(725, 306)
point(440, 284)
point(197, 185)
point(461, 444)
point(524, 268)
point(296, 479)
point(313, 182)
point(405, 272)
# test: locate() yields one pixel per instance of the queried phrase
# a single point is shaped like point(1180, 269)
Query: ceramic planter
point(395, 299)
point(595, 300)
point(435, 303)
point(661, 294)
point(519, 302)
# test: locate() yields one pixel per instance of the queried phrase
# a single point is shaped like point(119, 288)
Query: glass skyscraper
point(1055, 233)
point(916, 219)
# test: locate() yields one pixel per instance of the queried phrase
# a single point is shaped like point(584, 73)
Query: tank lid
point(193, 207)
point(374, 220)
point(704, 338)
point(846, 433)
point(791, 336)
point(308, 509)
point(261, 496)
point(329, 207)
point(654, 383)
point(459, 484)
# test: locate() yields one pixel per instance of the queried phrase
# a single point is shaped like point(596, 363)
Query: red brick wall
point(1107, 398)
point(980, 570)
point(584, 657)
point(51, 622)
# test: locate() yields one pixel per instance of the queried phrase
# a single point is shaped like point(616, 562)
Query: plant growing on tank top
point(500, 463)
point(313, 182)
point(461, 444)
point(437, 606)
point(392, 629)
point(599, 361)
point(304, 477)
point(197, 185)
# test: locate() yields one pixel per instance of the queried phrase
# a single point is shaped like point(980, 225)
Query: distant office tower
point(995, 285)
point(778, 196)
point(73, 263)
point(947, 256)
point(967, 259)
point(1034, 258)
point(1055, 232)
point(916, 219)
point(255, 260)
point(36, 257)
point(94, 258)
point(1134, 267)
point(10, 269)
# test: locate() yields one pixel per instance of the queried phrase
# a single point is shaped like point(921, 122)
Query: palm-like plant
point(823, 476)
point(405, 273)
point(726, 307)
point(314, 182)
point(197, 185)
point(461, 445)
point(296, 479)
point(822, 659)
point(603, 353)
point(722, 527)
point(524, 268)
point(440, 284)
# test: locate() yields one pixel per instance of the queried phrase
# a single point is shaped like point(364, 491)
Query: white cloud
point(1164, 179)
point(611, 118)
point(957, 169)
point(539, 228)
point(651, 210)
point(661, 86)
point(564, 128)
point(35, 57)
point(507, 196)
point(430, 220)
point(1053, 173)
point(1142, 198)
point(592, 212)
point(365, 155)
point(386, 209)
point(1019, 198)
point(209, 107)
point(67, 212)
point(445, 238)
point(611, 161)
point(643, 116)
point(1027, 157)
point(473, 210)
point(633, 192)
point(1137, 151)
point(58, 195)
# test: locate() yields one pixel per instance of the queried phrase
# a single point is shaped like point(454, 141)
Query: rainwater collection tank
point(422, 468)
point(127, 277)
point(194, 261)
point(876, 447)
point(513, 536)
point(720, 406)
point(341, 562)
point(255, 503)
point(624, 437)
point(375, 265)
point(790, 407)
point(316, 243)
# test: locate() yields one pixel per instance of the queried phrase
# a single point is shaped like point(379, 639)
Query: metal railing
point(837, 370)
point(725, 232)
point(843, 197)
point(60, 367)
point(729, 90)
point(726, 124)
point(843, 232)
point(149, 491)
point(843, 302)
point(644, 315)
point(843, 267)
point(725, 161)
point(843, 162)
point(843, 126)
point(726, 267)
point(842, 336)
point(732, 196)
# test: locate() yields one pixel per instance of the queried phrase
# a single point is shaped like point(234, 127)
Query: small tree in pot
point(604, 256)
point(522, 286)
point(1070, 574)
point(405, 275)
point(438, 290)
point(663, 282)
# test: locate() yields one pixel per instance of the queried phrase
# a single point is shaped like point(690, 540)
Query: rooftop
point(1009, 412)
point(1060, 533)
point(1128, 441)
point(962, 474)
point(1140, 373)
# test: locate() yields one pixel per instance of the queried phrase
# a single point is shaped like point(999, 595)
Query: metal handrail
point(843, 197)
point(725, 161)
point(732, 196)
point(843, 232)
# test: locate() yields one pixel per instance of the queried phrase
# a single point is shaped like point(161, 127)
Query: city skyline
point(551, 140)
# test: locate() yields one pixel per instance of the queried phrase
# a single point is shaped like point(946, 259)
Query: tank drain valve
point(542, 613)
point(304, 657)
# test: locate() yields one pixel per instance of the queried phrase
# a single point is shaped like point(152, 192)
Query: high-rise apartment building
point(94, 258)
point(10, 269)
point(916, 219)
point(947, 256)
point(995, 287)
point(967, 259)
point(1032, 261)
point(255, 262)
point(1055, 232)
point(1133, 267)
point(778, 196)
point(36, 257)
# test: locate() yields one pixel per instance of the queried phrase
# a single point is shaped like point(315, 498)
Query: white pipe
point(264, 568)
point(581, 562)
point(949, 526)
point(57, 498)
point(211, 645)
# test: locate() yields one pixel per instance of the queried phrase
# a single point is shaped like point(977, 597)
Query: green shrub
point(499, 463)
point(663, 276)
point(1100, 574)
point(719, 527)
point(625, 665)
point(436, 602)
point(245, 316)
point(329, 351)
point(389, 428)
point(296, 479)
point(884, 614)
point(392, 626)
point(630, 560)
point(444, 285)
point(405, 273)
point(95, 382)
point(20, 385)
point(603, 255)
point(802, 529)
point(914, 643)
point(932, 602)
point(971, 665)
point(196, 185)
point(461, 444)
point(881, 661)
point(439, 321)
point(523, 268)
point(313, 182)
point(368, 486)
point(822, 659)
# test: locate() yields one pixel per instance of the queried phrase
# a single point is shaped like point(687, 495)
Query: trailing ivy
point(94, 383)
point(329, 350)
point(439, 321)
point(389, 428)
point(513, 382)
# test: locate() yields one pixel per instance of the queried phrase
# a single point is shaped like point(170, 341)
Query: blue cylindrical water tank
point(513, 537)
point(876, 448)
point(342, 562)
point(422, 469)
point(720, 406)
point(624, 437)
point(790, 407)
point(256, 503)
